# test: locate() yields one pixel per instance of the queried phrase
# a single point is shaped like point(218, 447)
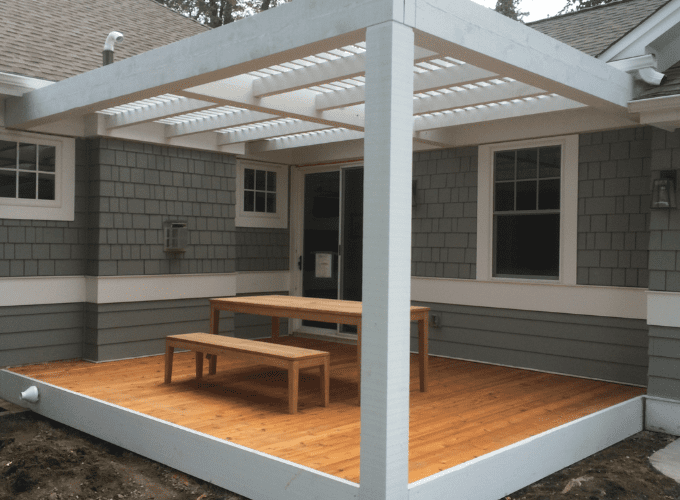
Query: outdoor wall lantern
point(663, 191)
point(176, 236)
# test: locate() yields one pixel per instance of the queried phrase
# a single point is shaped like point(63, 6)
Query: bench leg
point(359, 359)
point(169, 351)
point(199, 365)
point(275, 327)
point(325, 380)
point(293, 380)
point(423, 335)
point(212, 370)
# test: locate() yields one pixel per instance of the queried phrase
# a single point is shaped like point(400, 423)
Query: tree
point(573, 5)
point(510, 8)
point(216, 13)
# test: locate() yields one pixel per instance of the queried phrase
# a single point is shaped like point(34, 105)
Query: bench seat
point(282, 356)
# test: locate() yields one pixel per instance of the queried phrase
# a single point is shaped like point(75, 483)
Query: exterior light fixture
point(176, 237)
point(663, 191)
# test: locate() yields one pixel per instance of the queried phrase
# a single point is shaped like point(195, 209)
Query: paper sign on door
point(324, 267)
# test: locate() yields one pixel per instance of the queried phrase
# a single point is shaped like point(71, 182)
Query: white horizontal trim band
point(42, 290)
point(616, 302)
point(662, 309)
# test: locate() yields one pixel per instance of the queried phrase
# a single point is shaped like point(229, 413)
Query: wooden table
point(346, 312)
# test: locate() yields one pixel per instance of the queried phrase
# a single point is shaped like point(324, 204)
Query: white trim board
point(662, 309)
point(43, 290)
point(539, 455)
point(220, 462)
point(662, 415)
point(615, 302)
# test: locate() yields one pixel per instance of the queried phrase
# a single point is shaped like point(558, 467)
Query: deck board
point(470, 408)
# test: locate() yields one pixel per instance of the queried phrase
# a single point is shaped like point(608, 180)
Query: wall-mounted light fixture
point(663, 190)
point(176, 236)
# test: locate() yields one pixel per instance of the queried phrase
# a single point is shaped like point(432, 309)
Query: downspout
point(107, 55)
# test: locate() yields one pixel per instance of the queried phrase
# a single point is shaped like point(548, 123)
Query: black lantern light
point(663, 192)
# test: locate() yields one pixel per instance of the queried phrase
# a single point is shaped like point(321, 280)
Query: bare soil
point(43, 460)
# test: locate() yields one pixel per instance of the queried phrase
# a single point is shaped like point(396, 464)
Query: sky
point(538, 9)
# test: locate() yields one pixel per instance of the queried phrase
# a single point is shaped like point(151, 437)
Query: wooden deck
point(470, 409)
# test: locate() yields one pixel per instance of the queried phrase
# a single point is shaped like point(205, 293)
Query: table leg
point(169, 351)
point(275, 327)
point(293, 379)
point(325, 379)
point(199, 365)
point(359, 359)
point(214, 329)
point(423, 334)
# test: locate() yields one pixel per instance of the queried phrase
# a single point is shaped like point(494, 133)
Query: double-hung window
point(37, 177)
point(527, 210)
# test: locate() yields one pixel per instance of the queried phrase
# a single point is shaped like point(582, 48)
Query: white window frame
point(257, 219)
point(568, 208)
point(62, 207)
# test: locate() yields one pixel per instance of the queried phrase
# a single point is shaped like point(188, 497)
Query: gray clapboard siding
point(664, 362)
point(36, 334)
point(595, 347)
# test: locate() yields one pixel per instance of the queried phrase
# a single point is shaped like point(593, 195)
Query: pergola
point(377, 79)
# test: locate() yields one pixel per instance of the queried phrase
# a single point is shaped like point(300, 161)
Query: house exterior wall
point(664, 273)
point(262, 249)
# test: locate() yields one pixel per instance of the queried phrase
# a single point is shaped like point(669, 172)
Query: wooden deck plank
point(470, 409)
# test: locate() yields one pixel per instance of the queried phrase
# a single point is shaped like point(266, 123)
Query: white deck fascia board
point(469, 32)
point(571, 121)
point(156, 112)
point(293, 31)
point(422, 82)
point(298, 104)
point(211, 123)
point(386, 263)
point(497, 474)
point(637, 41)
point(318, 74)
point(268, 131)
point(475, 97)
point(662, 415)
point(228, 465)
point(322, 137)
point(491, 113)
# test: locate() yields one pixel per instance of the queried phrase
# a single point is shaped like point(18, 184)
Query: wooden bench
point(282, 356)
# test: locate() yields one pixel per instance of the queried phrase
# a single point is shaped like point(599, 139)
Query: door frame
point(297, 198)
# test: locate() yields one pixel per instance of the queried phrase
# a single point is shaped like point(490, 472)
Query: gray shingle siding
point(614, 215)
point(259, 249)
point(444, 227)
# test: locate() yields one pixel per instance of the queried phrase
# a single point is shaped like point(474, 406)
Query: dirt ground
point(43, 460)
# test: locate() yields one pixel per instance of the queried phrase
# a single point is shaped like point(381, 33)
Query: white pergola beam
point(469, 32)
point(227, 120)
point(267, 131)
point(296, 30)
point(386, 283)
point(301, 141)
point(422, 82)
point(474, 97)
point(155, 112)
point(319, 74)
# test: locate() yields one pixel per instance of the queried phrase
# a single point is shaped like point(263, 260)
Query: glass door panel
point(352, 237)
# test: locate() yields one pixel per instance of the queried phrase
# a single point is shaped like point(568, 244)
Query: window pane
point(27, 157)
point(271, 203)
point(46, 187)
point(8, 184)
point(248, 201)
point(27, 185)
point(527, 163)
point(549, 194)
point(549, 161)
point(271, 181)
point(248, 178)
point(527, 245)
point(8, 155)
point(46, 158)
point(259, 201)
point(504, 165)
point(526, 195)
point(260, 176)
point(505, 196)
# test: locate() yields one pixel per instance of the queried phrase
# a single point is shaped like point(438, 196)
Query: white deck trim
point(662, 415)
point(662, 309)
point(228, 465)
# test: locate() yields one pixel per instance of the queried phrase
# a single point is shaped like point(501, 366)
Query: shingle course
point(54, 40)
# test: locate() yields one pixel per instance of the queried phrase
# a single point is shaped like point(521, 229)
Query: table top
point(350, 308)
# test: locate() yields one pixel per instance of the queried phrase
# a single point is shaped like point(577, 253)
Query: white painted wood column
point(386, 287)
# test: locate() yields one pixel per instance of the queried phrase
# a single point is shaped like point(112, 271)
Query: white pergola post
point(386, 292)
